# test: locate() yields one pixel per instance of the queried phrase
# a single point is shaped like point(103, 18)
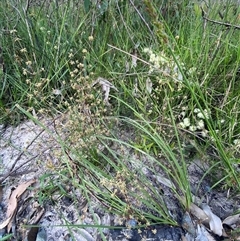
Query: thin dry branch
point(13, 170)
point(228, 25)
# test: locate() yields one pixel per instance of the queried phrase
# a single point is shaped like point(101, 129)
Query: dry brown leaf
point(22, 187)
point(106, 86)
point(9, 226)
point(12, 203)
point(134, 59)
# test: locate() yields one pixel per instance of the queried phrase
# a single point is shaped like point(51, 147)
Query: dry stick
point(142, 17)
point(11, 171)
point(14, 172)
point(218, 22)
point(141, 60)
point(24, 172)
point(20, 155)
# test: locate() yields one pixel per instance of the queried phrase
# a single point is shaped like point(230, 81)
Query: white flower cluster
point(200, 115)
point(198, 121)
point(163, 63)
point(236, 142)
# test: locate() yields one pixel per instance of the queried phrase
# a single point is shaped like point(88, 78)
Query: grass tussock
point(163, 72)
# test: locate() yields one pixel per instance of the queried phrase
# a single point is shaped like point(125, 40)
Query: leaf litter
point(215, 222)
point(12, 203)
point(204, 224)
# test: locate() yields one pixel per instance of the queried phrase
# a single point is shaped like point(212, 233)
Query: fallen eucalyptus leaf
point(12, 203)
point(215, 222)
point(203, 234)
point(165, 181)
point(6, 222)
point(234, 219)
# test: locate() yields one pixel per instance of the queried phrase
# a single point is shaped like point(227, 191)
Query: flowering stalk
point(160, 31)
